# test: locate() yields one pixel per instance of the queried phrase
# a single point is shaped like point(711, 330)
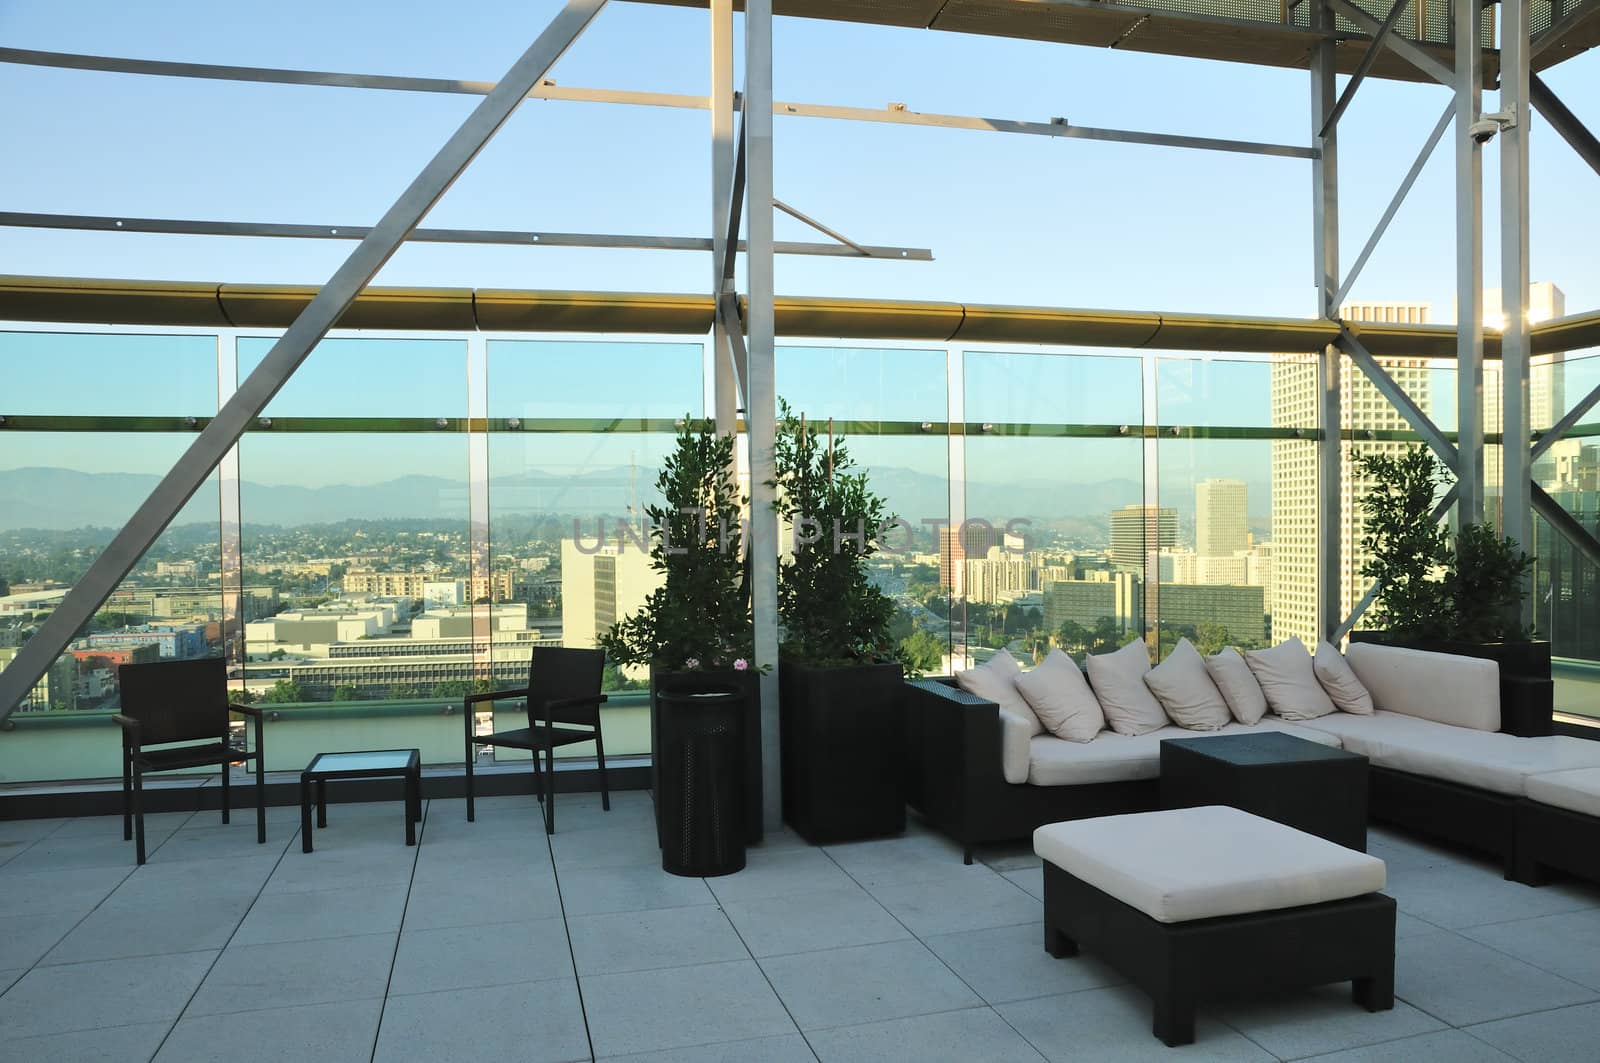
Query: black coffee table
point(403, 764)
point(1299, 783)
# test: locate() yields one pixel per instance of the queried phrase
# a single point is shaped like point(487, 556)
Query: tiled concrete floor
point(485, 942)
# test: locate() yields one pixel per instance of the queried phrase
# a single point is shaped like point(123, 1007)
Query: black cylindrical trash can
point(700, 765)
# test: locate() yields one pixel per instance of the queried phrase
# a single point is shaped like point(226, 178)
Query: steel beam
point(1565, 524)
point(1399, 45)
point(1394, 204)
point(1563, 121)
point(1325, 250)
point(1568, 421)
point(726, 381)
point(1348, 624)
point(727, 316)
point(817, 225)
point(509, 237)
point(1387, 387)
point(1469, 265)
point(761, 411)
point(1360, 74)
point(96, 585)
point(1516, 516)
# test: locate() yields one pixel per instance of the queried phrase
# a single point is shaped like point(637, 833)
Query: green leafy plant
point(699, 618)
point(1470, 589)
point(832, 614)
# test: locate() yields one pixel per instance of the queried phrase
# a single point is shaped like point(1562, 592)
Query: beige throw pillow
point(995, 680)
point(1061, 698)
point(1118, 681)
point(1238, 685)
point(1186, 691)
point(1340, 681)
point(1287, 679)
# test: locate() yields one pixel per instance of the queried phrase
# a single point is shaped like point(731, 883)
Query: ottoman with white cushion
point(1558, 826)
point(1207, 902)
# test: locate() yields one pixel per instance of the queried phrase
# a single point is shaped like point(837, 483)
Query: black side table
point(1299, 783)
point(700, 795)
point(403, 764)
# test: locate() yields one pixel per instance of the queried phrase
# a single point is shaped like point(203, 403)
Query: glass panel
point(1072, 572)
point(865, 392)
point(357, 552)
point(67, 488)
point(387, 760)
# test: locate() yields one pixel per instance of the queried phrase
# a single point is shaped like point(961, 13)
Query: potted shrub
point(841, 677)
point(1462, 595)
point(694, 631)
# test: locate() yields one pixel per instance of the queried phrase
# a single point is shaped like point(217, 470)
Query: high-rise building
point(1139, 531)
point(1221, 523)
point(972, 539)
point(998, 576)
point(598, 588)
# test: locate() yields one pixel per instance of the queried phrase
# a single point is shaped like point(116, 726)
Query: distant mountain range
point(50, 498)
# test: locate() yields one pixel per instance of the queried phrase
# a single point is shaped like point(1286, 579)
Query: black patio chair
point(168, 702)
point(563, 702)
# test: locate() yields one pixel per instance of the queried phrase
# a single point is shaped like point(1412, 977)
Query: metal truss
point(35, 657)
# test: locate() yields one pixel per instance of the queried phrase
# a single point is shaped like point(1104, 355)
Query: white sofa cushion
point(1238, 685)
point(1061, 698)
point(1286, 678)
point(1340, 680)
point(1118, 680)
point(1120, 758)
point(1200, 863)
point(1185, 690)
point(1577, 790)
point(995, 680)
point(1500, 763)
point(1015, 734)
point(1445, 688)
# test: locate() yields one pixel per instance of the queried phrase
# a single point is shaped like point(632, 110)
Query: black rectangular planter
point(749, 683)
point(843, 732)
point(1527, 693)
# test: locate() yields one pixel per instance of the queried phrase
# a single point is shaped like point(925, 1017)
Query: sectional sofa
point(1440, 764)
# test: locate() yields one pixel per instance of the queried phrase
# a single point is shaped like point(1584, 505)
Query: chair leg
point(549, 790)
point(538, 775)
point(226, 774)
point(138, 815)
point(472, 755)
point(127, 794)
point(600, 760)
point(261, 798)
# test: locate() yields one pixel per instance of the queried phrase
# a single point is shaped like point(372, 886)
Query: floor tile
point(808, 922)
point(1567, 944)
point(135, 1043)
point(1463, 982)
point(59, 853)
point(1112, 1025)
point(869, 983)
point(1454, 898)
point(1017, 857)
point(1566, 1034)
point(951, 1037)
point(680, 1007)
point(911, 858)
point(594, 891)
point(627, 846)
point(538, 1022)
point(1009, 963)
point(318, 914)
point(1030, 880)
point(475, 898)
point(332, 867)
point(24, 895)
point(295, 973)
point(25, 938)
point(641, 941)
point(10, 976)
point(327, 1033)
point(791, 1048)
point(778, 873)
point(84, 996)
point(1447, 1046)
point(965, 902)
point(468, 956)
point(15, 833)
point(221, 843)
point(115, 930)
point(1320, 1020)
point(109, 828)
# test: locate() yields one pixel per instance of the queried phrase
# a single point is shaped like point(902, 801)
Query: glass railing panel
point(93, 421)
point(890, 408)
point(1053, 449)
point(359, 562)
point(578, 431)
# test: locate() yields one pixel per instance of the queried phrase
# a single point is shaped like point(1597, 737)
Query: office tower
point(1221, 525)
point(973, 539)
point(600, 587)
point(1138, 531)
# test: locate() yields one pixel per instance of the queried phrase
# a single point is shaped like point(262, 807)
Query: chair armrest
point(130, 728)
point(953, 749)
point(247, 710)
point(493, 695)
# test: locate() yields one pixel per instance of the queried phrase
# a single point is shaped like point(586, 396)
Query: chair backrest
point(176, 701)
point(555, 673)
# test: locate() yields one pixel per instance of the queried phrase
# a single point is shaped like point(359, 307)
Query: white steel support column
point(726, 389)
point(1469, 264)
point(761, 405)
point(1325, 245)
point(1515, 501)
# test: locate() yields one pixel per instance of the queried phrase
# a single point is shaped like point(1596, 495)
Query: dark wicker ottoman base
point(1554, 839)
point(1181, 964)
